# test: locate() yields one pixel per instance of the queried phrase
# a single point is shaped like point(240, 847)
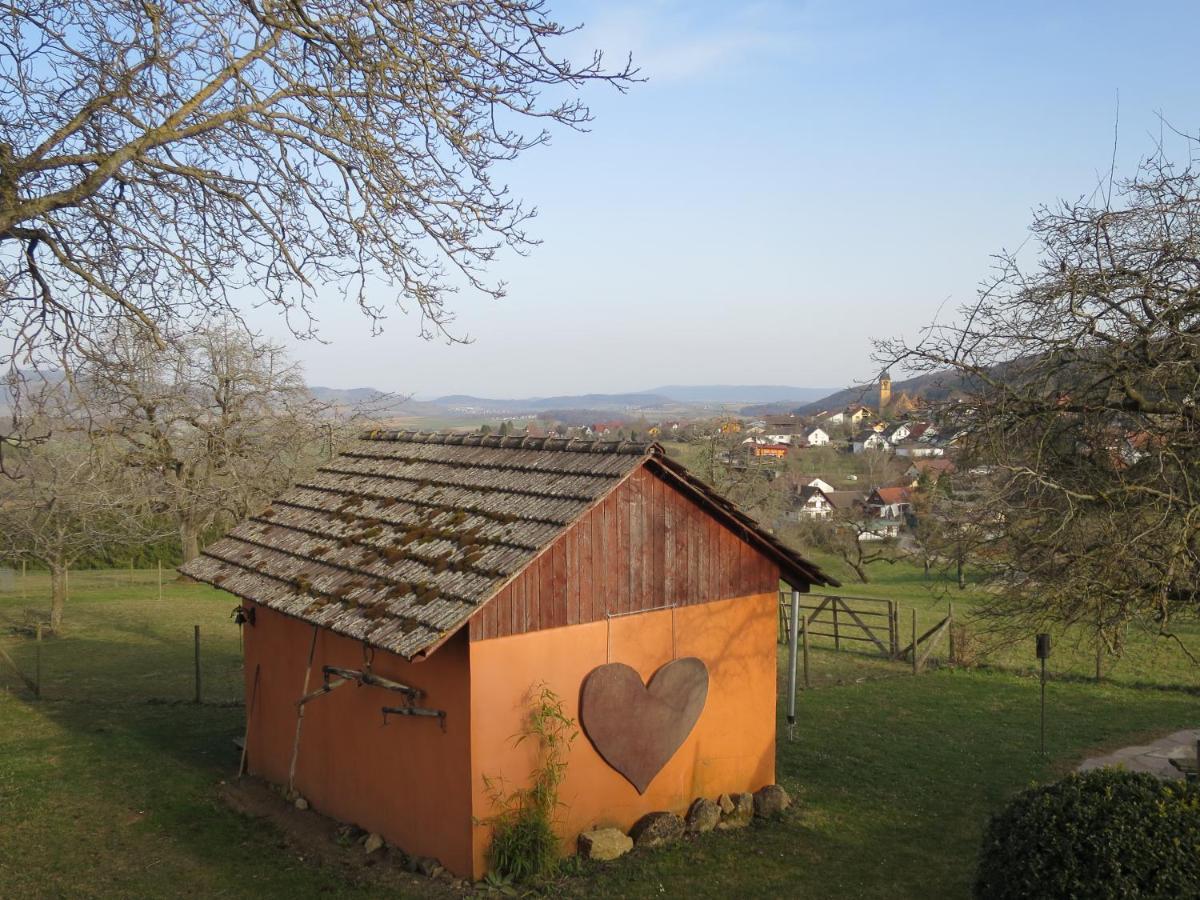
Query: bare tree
point(74, 498)
point(848, 535)
point(218, 422)
point(728, 464)
point(156, 159)
point(1079, 377)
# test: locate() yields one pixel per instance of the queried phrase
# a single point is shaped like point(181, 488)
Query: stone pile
point(657, 829)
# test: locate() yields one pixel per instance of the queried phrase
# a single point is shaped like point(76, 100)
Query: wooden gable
point(646, 545)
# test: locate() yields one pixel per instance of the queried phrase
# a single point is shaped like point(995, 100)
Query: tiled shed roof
point(404, 535)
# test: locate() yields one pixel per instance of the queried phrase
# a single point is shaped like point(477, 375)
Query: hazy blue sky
point(794, 179)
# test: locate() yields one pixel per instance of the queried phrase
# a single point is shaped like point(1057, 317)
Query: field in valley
point(108, 784)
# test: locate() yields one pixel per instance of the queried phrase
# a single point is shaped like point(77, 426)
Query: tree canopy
point(1080, 375)
point(161, 161)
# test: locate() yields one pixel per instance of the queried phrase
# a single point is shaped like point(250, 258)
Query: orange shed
point(405, 603)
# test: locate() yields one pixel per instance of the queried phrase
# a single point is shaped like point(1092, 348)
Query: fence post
point(837, 641)
point(197, 638)
point(950, 632)
point(793, 626)
point(804, 632)
point(37, 664)
point(914, 643)
point(893, 638)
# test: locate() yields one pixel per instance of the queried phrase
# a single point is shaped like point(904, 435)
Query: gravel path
point(1154, 758)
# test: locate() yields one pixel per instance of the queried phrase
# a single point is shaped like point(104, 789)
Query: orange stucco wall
point(406, 780)
point(731, 748)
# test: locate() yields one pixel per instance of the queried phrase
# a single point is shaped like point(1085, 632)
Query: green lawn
point(108, 785)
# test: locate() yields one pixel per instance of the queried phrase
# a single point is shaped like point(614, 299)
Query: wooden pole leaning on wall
point(196, 635)
point(249, 713)
point(312, 649)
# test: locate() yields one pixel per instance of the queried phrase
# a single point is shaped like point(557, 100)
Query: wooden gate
point(867, 620)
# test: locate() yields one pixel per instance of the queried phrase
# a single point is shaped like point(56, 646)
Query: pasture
point(108, 784)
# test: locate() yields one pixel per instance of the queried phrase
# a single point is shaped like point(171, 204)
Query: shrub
point(524, 845)
point(1103, 834)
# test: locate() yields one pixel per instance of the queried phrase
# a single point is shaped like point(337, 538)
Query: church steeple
point(885, 390)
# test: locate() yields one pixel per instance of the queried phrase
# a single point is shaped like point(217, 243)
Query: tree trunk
point(58, 595)
point(189, 539)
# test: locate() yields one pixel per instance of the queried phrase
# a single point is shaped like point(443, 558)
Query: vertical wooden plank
point(558, 580)
point(571, 549)
point(683, 581)
point(547, 599)
point(621, 566)
point(637, 542)
point(521, 598)
point(515, 616)
point(712, 532)
point(601, 554)
point(667, 505)
point(658, 540)
point(533, 585)
point(699, 576)
point(585, 568)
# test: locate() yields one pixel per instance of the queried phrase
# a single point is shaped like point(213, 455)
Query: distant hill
point(932, 386)
point(739, 393)
point(494, 406)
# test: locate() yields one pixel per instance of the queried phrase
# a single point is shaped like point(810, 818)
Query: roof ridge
point(511, 441)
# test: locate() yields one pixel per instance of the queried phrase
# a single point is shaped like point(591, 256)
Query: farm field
point(108, 785)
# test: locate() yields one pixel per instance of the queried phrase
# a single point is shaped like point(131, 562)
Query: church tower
point(885, 390)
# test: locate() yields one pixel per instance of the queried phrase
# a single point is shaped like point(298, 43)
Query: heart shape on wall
point(637, 728)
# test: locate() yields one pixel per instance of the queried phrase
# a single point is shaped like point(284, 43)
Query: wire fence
point(127, 636)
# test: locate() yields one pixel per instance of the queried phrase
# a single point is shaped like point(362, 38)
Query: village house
point(918, 450)
point(810, 500)
point(785, 424)
point(929, 469)
point(769, 451)
point(404, 605)
point(891, 503)
point(845, 504)
point(816, 437)
point(869, 440)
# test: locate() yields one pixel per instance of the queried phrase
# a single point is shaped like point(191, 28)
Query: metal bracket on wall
point(366, 677)
point(438, 714)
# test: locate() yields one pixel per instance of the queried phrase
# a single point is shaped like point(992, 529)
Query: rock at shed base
point(604, 844)
point(655, 829)
point(743, 812)
point(373, 842)
point(300, 804)
point(726, 804)
point(770, 801)
point(427, 866)
point(703, 815)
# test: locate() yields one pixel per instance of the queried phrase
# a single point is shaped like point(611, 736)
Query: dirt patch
point(322, 841)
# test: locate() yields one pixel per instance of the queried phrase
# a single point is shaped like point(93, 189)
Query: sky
point(792, 180)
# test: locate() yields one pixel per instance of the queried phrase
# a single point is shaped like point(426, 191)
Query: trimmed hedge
point(1103, 834)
